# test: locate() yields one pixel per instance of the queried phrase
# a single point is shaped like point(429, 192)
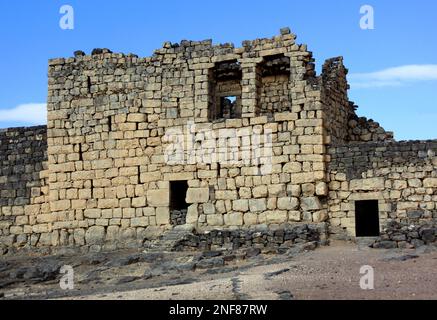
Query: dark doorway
point(178, 205)
point(178, 193)
point(367, 218)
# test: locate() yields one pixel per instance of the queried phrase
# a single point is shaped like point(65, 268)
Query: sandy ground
point(327, 273)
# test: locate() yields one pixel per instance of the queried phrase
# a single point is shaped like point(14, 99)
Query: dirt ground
point(331, 272)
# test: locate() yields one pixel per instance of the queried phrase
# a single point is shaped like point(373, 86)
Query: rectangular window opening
point(229, 107)
point(367, 218)
point(273, 79)
point(275, 65)
point(225, 90)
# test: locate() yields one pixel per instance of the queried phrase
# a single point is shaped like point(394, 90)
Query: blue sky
point(393, 68)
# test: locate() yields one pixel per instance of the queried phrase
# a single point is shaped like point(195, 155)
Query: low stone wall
point(178, 217)
point(266, 239)
point(407, 235)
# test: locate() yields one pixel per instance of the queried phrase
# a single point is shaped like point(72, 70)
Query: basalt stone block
point(210, 263)
point(417, 243)
point(428, 235)
point(385, 245)
point(79, 53)
point(415, 214)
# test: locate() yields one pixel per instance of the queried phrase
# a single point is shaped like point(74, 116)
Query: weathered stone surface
point(367, 184)
point(289, 148)
point(310, 203)
point(241, 205)
point(208, 208)
point(276, 216)
point(210, 263)
point(288, 203)
point(197, 195)
point(162, 216)
point(192, 214)
point(215, 219)
point(257, 205)
point(430, 183)
point(233, 219)
point(95, 235)
point(385, 245)
point(320, 216)
point(260, 192)
point(322, 189)
point(139, 222)
point(158, 198)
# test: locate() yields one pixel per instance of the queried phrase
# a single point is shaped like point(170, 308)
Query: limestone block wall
point(344, 124)
point(23, 186)
point(122, 130)
point(401, 176)
point(110, 117)
point(230, 188)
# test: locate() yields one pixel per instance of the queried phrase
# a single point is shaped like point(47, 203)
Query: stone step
point(171, 239)
point(365, 242)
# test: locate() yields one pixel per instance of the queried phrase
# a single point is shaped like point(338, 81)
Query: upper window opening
point(275, 65)
point(228, 70)
point(225, 85)
point(229, 107)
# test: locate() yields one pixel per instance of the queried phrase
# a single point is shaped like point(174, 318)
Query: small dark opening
point(109, 123)
point(178, 107)
point(178, 193)
point(178, 204)
point(89, 84)
point(80, 152)
point(139, 174)
point(228, 108)
point(367, 218)
point(212, 193)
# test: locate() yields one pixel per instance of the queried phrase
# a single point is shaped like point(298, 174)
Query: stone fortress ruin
point(247, 146)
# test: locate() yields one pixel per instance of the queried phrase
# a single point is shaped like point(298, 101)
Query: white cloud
point(26, 114)
point(392, 77)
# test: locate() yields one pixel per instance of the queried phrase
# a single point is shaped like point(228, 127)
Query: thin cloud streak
point(26, 114)
point(394, 77)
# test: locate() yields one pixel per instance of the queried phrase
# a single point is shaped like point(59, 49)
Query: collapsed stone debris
point(99, 175)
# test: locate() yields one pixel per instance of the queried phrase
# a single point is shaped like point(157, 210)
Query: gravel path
point(328, 273)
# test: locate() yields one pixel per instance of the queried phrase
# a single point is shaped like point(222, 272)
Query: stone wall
point(247, 128)
point(411, 234)
point(109, 119)
point(277, 240)
point(402, 176)
point(344, 124)
point(23, 186)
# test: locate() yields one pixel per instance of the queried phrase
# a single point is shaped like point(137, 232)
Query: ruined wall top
point(202, 82)
point(197, 49)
